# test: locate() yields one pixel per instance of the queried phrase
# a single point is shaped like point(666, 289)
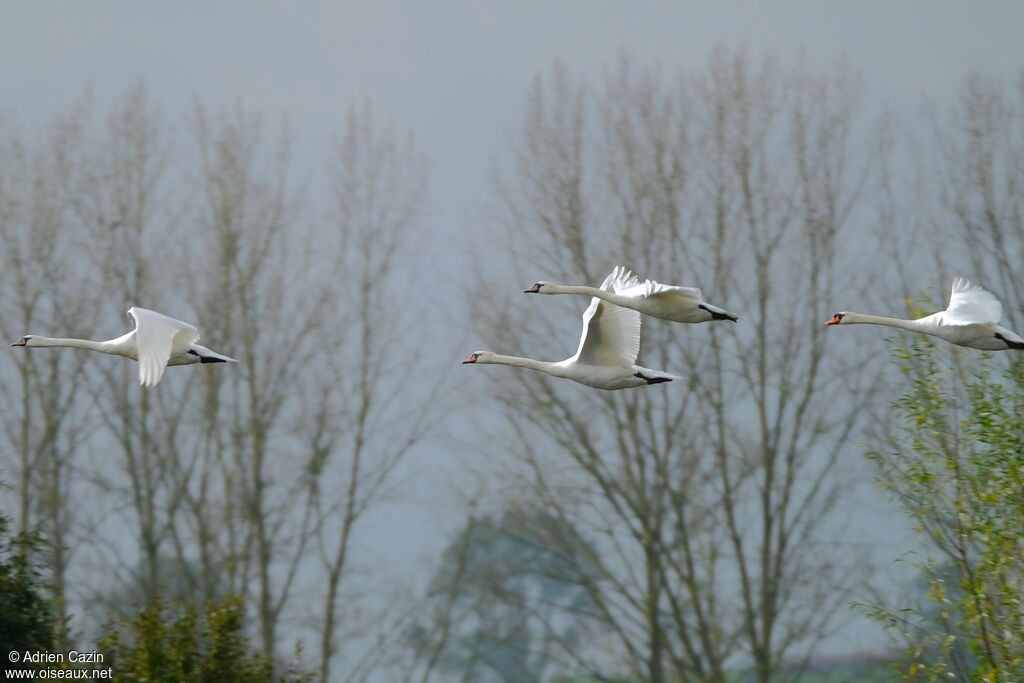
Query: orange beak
point(20, 342)
point(472, 359)
point(533, 289)
point(834, 321)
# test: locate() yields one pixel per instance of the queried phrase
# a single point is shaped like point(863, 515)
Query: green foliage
point(206, 647)
point(956, 466)
point(854, 673)
point(867, 670)
point(26, 619)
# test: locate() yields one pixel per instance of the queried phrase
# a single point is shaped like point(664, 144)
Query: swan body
point(668, 302)
point(606, 357)
point(970, 320)
point(156, 342)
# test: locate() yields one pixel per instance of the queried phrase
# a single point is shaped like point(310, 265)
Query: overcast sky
point(458, 73)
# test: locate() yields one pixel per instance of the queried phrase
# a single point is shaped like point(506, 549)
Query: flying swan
point(678, 304)
point(971, 320)
point(156, 342)
point(606, 358)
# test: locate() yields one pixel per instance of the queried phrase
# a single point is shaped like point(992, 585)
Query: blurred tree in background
point(701, 509)
point(504, 604)
point(691, 531)
point(245, 482)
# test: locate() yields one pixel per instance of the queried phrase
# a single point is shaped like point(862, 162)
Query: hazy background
point(457, 75)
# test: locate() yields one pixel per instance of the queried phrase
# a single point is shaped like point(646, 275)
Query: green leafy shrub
point(26, 618)
point(956, 466)
point(191, 647)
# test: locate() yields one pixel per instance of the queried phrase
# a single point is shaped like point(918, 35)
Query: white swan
point(970, 320)
point(678, 304)
point(156, 342)
point(606, 357)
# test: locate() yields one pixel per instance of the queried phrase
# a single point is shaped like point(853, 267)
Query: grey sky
point(458, 73)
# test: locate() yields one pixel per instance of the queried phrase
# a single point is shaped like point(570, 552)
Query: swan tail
point(1015, 342)
point(724, 315)
point(654, 376)
point(718, 313)
point(208, 356)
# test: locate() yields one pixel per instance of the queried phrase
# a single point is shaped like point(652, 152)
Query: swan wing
point(624, 282)
point(155, 337)
point(621, 279)
point(611, 334)
point(970, 304)
point(656, 290)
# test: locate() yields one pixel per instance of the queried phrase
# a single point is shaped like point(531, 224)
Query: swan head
point(837, 318)
point(539, 287)
point(478, 357)
point(24, 341)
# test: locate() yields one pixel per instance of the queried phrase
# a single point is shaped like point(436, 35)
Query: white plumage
point(607, 353)
point(970, 304)
point(668, 302)
point(971, 320)
point(156, 342)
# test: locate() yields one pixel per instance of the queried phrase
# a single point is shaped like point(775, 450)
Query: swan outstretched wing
point(654, 289)
point(624, 282)
point(970, 304)
point(621, 279)
point(611, 334)
point(155, 336)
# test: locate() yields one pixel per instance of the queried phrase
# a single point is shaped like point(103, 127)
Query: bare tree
point(229, 479)
point(117, 207)
point(982, 184)
point(706, 503)
point(45, 422)
point(297, 446)
point(253, 280)
point(368, 416)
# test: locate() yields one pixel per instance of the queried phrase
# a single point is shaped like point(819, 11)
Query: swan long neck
point(102, 347)
point(610, 297)
point(529, 363)
point(865, 319)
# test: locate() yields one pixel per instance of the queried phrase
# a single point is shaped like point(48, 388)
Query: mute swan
point(606, 357)
point(678, 304)
point(970, 320)
point(156, 342)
